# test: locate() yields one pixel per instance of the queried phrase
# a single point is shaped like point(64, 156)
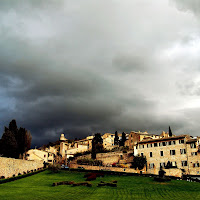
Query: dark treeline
point(15, 142)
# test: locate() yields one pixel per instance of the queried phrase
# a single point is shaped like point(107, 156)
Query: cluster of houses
point(165, 150)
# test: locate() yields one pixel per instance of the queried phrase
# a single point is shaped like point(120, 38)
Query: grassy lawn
point(40, 187)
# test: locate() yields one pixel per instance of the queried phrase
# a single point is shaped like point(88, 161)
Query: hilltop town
point(177, 154)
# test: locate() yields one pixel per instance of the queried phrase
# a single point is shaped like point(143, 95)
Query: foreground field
point(40, 187)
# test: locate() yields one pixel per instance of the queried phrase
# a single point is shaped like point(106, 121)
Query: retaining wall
point(169, 172)
point(11, 166)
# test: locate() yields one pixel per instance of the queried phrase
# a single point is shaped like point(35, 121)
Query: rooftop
point(163, 139)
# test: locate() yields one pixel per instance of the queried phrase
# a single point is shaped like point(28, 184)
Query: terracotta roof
point(191, 141)
point(163, 139)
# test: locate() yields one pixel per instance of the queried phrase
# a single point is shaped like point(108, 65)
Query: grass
point(39, 187)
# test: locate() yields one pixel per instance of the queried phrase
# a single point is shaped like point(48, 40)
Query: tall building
point(179, 154)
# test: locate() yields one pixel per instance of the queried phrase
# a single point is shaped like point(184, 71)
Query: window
point(193, 145)
point(163, 143)
point(184, 163)
point(181, 141)
point(172, 152)
point(162, 164)
point(155, 144)
point(170, 143)
point(160, 144)
point(161, 153)
point(141, 146)
point(196, 165)
point(151, 165)
point(142, 154)
point(173, 142)
point(182, 151)
point(174, 164)
point(151, 155)
point(194, 153)
point(44, 156)
point(147, 145)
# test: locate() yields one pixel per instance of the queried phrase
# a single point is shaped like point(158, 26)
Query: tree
point(97, 145)
point(15, 142)
point(116, 140)
point(139, 162)
point(122, 142)
point(8, 144)
point(170, 132)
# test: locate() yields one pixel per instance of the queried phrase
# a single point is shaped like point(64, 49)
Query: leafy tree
point(139, 162)
point(97, 145)
point(122, 142)
point(116, 140)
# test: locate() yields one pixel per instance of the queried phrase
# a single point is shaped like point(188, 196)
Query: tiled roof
point(163, 139)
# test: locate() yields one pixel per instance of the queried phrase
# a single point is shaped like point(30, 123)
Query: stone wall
point(169, 172)
point(11, 166)
point(115, 169)
point(107, 158)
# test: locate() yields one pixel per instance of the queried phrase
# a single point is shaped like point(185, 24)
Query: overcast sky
point(88, 66)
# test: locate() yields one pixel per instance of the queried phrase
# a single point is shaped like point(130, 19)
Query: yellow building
point(36, 154)
point(177, 154)
point(108, 140)
point(69, 149)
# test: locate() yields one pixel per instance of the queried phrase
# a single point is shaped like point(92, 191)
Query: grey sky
point(81, 67)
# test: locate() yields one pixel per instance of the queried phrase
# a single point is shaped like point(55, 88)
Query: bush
point(139, 162)
point(55, 168)
point(88, 175)
point(112, 184)
point(91, 177)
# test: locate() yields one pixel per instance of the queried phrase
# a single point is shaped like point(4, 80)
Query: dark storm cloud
point(81, 67)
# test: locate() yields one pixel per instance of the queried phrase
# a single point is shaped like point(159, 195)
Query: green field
point(40, 187)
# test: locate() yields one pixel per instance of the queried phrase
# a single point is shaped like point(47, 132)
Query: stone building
point(108, 140)
point(135, 137)
point(69, 149)
point(178, 154)
point(36, 154)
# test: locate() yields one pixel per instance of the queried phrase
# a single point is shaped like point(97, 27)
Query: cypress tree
point(170, 132)
point(116, 140)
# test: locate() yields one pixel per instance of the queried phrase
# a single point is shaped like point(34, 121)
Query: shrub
point(55, 168)
point(112, 184)
point(139, 162)
point(91, 178)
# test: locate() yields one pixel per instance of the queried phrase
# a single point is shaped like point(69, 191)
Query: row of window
point(172, 152)
point(173, 164)
point(160, 144)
